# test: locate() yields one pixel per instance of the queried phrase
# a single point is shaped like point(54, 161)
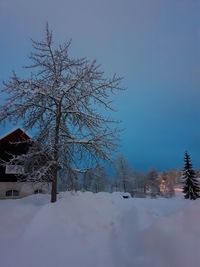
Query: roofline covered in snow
point(14, 133)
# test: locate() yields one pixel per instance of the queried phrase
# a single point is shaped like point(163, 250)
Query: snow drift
point(99, 230)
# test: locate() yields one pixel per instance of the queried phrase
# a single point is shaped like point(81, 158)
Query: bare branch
point(61, 101)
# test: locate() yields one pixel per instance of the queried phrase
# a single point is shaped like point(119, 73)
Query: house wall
point(13, 144)
point(24, 188)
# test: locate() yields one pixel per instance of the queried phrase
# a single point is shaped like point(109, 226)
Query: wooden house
point(15, 143)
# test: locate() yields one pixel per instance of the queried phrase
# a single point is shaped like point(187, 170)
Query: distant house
point(15, 143)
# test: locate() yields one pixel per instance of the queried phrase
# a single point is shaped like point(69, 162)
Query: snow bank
point(99, 230)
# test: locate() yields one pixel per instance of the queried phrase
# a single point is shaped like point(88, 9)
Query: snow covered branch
point(61, 101)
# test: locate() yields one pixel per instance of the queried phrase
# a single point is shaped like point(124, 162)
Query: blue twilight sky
point(153, 44)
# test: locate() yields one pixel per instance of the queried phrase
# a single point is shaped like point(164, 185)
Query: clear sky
point(153, 44)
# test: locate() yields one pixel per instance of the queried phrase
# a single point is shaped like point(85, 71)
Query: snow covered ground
point(99, 230)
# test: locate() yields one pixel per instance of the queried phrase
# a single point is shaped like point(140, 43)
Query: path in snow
point(99, 230)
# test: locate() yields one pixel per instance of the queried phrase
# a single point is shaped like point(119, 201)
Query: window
point(14, 169)
point(12, 193)
point(38, 191)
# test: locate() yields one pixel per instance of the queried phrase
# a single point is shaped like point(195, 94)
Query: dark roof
point(16, 133)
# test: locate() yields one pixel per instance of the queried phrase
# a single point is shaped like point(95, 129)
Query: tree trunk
point(56, 144)
point(124, 186)
point(54, 188)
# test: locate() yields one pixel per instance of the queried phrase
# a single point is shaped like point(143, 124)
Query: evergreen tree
point(191, 187)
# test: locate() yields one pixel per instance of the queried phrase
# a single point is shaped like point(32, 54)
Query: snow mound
point(99, 230)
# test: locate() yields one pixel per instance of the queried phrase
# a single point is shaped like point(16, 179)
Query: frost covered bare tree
point(140, 183)
point(88, 179)
point(100, 181)
point(60, 100)
point(153, 182)
point(124, 177)
point(95, 180)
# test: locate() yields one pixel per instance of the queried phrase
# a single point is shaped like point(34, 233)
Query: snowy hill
point(99, 230)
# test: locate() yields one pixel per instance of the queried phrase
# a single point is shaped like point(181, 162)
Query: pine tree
point(191, 187)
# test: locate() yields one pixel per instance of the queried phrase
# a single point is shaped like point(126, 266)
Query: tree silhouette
point(191, 187)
